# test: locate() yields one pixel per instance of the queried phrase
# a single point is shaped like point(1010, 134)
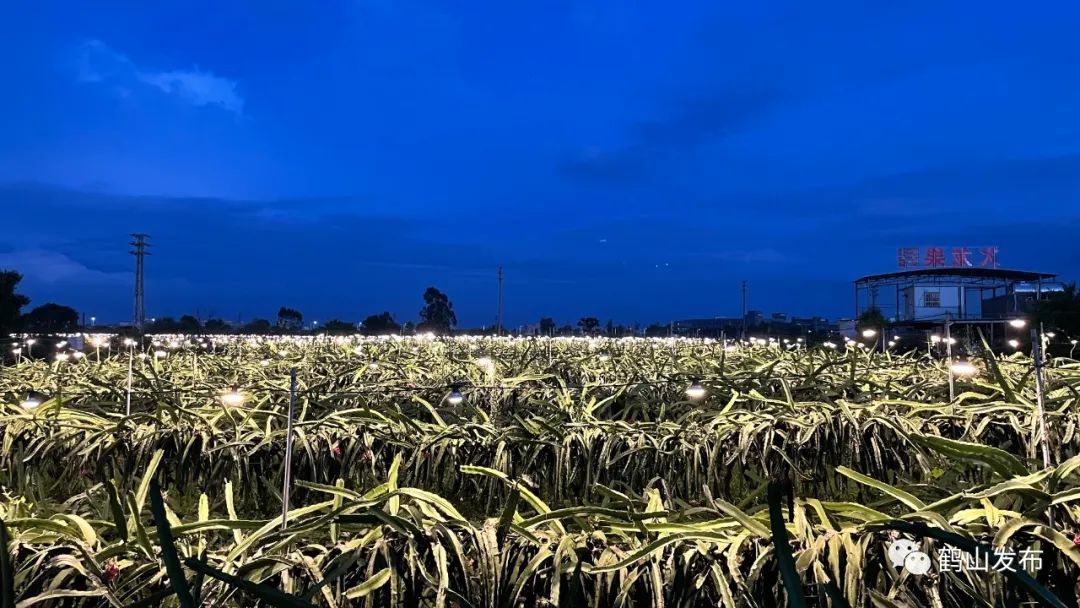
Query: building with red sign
point(928, 296)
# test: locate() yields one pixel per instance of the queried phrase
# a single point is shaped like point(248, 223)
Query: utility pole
point(743, 310)
point(498, 310)
point(140, 253)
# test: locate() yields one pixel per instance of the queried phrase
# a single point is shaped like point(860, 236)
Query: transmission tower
point(140, 245)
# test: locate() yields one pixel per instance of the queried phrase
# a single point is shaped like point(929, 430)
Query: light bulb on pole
point(963, 368)
point(233, 397)
point(32, 402)
point(695, 390)
point(455, 397)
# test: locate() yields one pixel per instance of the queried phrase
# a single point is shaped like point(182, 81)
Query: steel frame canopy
point(997, 281)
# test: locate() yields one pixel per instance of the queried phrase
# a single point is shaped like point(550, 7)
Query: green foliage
point(872, 318)
point(382, 323)
point(50, 318)
point(600, 484)
point(437, 315)
point(11, 303)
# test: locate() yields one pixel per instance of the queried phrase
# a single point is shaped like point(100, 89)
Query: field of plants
point(499, 472)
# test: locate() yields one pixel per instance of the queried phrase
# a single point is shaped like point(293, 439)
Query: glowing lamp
point(233, 397)
point(963, 367)
point(695, 390)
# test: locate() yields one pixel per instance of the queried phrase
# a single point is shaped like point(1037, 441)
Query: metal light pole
point(948, 354)
point(1040, 391)
point(131, 363)
point(287, 483)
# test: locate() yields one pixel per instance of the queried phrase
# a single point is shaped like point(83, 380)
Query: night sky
point(623, 160)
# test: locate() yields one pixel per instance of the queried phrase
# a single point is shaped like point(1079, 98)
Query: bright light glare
point(31, 402)
point(455, 396)
point(1014, 343)
point(233, 397)
point(935, 338)
point(868, 333)
point(963, 367)
point(603, 357)
point(1018, 323)
point(695, 390)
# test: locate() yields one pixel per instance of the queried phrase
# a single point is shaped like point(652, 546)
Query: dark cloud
point(694, 122)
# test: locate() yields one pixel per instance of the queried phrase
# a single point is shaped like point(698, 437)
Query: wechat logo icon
point(904, 553)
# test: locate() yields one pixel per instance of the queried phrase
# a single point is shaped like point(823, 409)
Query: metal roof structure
point(922, 295)
point(961, 272)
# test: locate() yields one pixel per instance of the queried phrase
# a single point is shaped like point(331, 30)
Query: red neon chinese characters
point(907, 257)
point(935, 256)
point(960, 256)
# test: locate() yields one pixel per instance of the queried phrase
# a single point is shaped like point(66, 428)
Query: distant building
point(780, 317)
point(714, 327)
point(932, 295)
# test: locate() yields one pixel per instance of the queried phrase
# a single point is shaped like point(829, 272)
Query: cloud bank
point(97, 63)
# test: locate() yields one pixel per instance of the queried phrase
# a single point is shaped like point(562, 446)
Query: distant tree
point(588, 324)
point(49, 318)
point(609, 329)
point(566, 330)
point(547, 326)
point(409, 327)
point(11, 303)
point(216, 326)
point(656, 330)
point(337, 327)
point(438, 313)
point(871, 318)
point(189, 325)
point(382, 323)
point(257, 326)
point(289, 319)
point(164, 325)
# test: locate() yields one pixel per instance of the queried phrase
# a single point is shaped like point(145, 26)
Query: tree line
point(47, 318)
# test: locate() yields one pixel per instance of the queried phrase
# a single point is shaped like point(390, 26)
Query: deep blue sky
point(625, 160)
